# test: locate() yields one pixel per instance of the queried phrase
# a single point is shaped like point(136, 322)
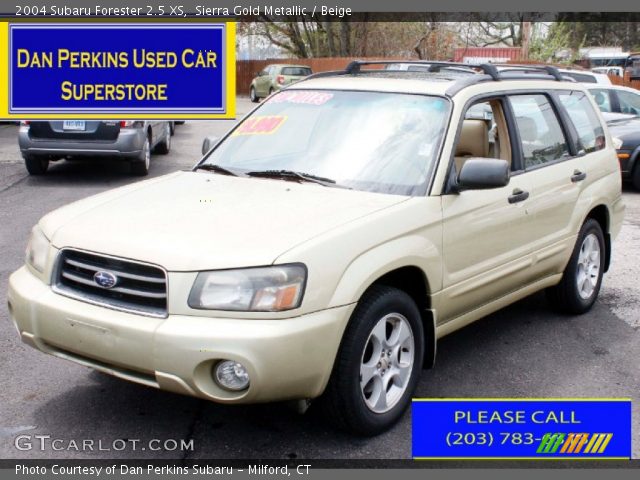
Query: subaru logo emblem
point(105, 279)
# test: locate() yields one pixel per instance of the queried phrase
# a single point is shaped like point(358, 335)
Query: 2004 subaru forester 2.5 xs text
point(322, 247)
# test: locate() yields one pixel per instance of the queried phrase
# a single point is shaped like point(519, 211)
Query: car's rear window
point(296, 71)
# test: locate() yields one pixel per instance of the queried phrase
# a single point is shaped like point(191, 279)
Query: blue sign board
point(521, 429)
point(118, 68)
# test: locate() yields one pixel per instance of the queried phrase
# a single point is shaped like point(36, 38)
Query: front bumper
point(128, 144)
point(286, 358)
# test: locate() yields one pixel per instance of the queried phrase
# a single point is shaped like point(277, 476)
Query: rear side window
point(581, 77)
point(298, 71)
point(540, 132)
point(585, 120)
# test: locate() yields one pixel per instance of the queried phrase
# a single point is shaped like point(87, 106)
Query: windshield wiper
point(293, 175)
point(211, 167)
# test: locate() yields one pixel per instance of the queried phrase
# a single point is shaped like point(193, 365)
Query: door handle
point(578, 176)
point(518, 196)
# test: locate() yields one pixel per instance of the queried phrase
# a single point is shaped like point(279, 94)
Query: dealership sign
point(119, 70)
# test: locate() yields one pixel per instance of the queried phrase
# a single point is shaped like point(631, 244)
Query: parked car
point(632, 66)
point(626, 132)
point(617, 71)
point(350, 222)
point(617, 99)
point(274, 77)
point(132, 140)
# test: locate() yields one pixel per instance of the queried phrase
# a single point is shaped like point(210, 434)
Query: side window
point(602, 98)
point(584, 118)
point(540, 132)
point(629, 102)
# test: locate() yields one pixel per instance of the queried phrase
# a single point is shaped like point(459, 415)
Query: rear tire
point(141, 165)
point(164, 147)
point(578, 290)
point(252, 95)
point(36, 165)
point(378, 364)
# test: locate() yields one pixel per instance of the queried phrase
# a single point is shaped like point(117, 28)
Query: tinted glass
point(379, 142)
point(540, 131)
point(629, 102)
point(296, 71)
point(581, 77)
point(585, 120)
point(602, 98)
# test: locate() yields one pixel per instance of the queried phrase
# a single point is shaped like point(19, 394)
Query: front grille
point(140, 288)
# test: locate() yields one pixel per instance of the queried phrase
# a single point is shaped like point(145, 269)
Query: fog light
point(231, 375)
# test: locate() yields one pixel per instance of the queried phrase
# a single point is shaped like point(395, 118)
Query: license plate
point(73, 125)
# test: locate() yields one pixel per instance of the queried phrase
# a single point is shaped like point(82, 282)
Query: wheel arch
point(413, 281)
point(600, 214)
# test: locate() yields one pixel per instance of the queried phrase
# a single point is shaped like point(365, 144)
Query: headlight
point(617, 143)
point(265, 289)
point(37, 249)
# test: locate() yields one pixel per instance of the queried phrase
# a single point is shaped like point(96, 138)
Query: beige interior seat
point(473, 141)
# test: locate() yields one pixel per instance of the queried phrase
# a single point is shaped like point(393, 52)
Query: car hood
point(191, 221)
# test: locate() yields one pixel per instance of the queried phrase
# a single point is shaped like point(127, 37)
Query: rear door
point(559, 164)
point(264, 81)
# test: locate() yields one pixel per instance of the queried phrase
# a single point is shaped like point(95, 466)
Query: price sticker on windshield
point(260, 125)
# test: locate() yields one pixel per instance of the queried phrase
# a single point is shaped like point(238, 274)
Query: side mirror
point(208, 143)
point(483, 173)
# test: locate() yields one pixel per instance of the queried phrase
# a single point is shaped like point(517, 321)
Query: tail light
point(24, 122)
point(280, 79)
point(127, 123)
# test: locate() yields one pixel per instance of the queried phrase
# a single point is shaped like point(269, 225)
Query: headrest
point(474, 139)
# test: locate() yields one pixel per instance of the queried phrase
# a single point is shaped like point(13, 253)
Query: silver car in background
point(132, 140)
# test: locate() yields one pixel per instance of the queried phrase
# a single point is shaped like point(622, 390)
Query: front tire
point(36, 165)
point(252, 95)
point(378, 364)
point(578, 290)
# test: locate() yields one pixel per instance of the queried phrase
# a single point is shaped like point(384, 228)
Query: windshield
point(378, 142)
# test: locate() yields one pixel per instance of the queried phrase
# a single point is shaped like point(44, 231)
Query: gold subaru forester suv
point(323, 246)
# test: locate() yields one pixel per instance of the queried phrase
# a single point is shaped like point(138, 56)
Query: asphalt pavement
point(525, 350)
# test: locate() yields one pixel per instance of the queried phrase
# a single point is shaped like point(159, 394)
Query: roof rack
point(355, 66)
point(486, 68)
